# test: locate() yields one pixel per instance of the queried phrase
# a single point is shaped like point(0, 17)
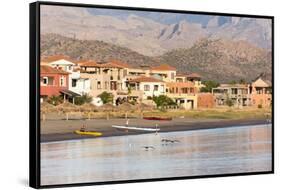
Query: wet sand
point(58, 130)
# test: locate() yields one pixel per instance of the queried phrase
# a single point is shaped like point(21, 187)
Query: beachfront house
point(146, 87)
point(183, 93)
point(52, 81)
point(261, 92)
point(237, 95)
point(77, 85)
point(104, 76)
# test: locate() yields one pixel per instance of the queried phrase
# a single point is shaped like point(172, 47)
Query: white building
point(146, 87)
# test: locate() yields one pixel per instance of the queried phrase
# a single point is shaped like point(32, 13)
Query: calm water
point(202, 152)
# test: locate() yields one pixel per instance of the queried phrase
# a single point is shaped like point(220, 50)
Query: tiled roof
point(145, 79)
point(163, 67)
point(121, 64)
point(53, 58)
point(44, 69)
point(88, 64)
point(111, 64)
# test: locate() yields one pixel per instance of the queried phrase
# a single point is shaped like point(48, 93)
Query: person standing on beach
point(83, 128)
point(127, 123)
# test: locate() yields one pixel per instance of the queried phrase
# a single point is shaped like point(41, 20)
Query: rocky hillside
point(53, 44)
point(219, 60)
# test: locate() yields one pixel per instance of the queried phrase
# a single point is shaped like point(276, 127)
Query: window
point(62, 81)
point(99, 85)
point(156, 87)
point(74, 82)
point(45, 80)
point(146, 87)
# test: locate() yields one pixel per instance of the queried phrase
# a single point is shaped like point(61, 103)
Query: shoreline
point(165, 126)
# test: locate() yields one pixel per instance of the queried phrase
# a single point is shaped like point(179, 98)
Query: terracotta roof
point(164, 67)
point(119, 63)
point(44, 69)
point(145, 79)
point(111, 65)
point(187, 84)
point(88, 63)
point(193, 75)
point(53, 58)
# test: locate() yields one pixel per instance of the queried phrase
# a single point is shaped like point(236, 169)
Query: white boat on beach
point(135, 128)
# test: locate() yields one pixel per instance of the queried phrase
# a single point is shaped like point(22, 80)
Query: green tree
point(106, 97)
point(229, 102)
point(209, 84)
point(162, 101)
point(242, 81)
point(83, 99)
point(55, 100)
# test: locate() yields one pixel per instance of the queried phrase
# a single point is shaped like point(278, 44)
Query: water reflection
point(202, 152)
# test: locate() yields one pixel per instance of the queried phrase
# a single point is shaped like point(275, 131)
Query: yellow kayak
point(93, 133)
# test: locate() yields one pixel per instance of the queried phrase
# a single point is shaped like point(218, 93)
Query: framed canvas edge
point(34, 94)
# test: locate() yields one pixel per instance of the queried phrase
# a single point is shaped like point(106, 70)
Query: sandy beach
point(58, 130)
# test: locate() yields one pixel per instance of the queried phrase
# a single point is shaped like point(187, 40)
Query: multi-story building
point(146, 87)
point(238, 94)
point(192, 77)
point(52, 81)
point(107, 76)
point(261, 92)
point(184, 94)
point(76, 83)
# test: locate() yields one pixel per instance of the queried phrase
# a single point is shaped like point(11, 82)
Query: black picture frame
point(34, 90)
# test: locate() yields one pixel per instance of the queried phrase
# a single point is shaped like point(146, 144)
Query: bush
point(162, 101)
point(55, 100)
point(83, 99)
point(106, 97)
point(229, 102)
point(209, 85)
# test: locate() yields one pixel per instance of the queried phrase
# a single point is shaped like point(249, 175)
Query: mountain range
point(152, 33)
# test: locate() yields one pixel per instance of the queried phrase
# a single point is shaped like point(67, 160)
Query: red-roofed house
point(52, 81)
